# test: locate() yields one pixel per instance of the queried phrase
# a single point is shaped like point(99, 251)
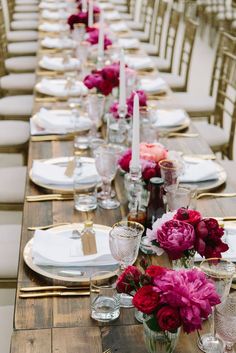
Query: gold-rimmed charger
point(68, 274)
point(66, 189)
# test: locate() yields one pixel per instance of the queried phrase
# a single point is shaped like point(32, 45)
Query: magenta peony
point(188, 216)
point(176, 238)
point(93, 36)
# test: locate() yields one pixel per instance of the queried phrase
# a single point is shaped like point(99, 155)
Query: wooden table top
point(63, 325)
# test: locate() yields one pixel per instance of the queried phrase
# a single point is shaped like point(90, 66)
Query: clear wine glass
point(225, 322)
point(124, 241)
point(221, 272)
point(106, 163)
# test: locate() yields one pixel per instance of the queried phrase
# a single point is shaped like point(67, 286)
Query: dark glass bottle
point(156, 207)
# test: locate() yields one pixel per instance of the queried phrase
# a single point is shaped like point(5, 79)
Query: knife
point(54, 294)
point(48, 288)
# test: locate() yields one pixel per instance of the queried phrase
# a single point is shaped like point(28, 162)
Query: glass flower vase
point(159, 341)
point(185, 262)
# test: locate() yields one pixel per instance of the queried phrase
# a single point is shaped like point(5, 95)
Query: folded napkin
point(58, 88)
point(53, 174)
point(156, 85)
point(58, 43)
point(60, 121)
point(58, 63)
point(200, 171)
point(119, 26)
point(129, 43)
point(139, 62)
point(168, 118)
point(52, 5)
point(112, 15)
point(58, 249)
point(53, 27)
point(54, 15)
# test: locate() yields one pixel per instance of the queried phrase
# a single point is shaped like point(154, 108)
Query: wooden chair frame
point(157, 26)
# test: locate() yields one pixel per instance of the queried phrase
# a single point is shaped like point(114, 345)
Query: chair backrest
point(226, 97)
point(6, 14)
point(3, 44)
point(227, 42)
point(156, 34)
point(149, 17)
point(172, 31)
point(187, 50)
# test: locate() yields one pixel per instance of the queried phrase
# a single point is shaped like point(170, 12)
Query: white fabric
point(54, 15)
point(25, 16)
point(64, 43)
point(21, 105)
point(58, 63)
point(57, 121)
point(140, 35)
point(53, 27)
point(168, 118)
point(119, 27)
point(156, 85)
point(59, 249)
point(139, 62)
point(112, 15)
point(173, 80)
point(12, 186)
point(213, 134)
point(18, 82)
point(6, 326)
point(199, 171)
point(150, 49)
point(54, 174)
point(57, 87)
point(161, 63)
point(13, 133)
point(9, 250)
point(26, 2)
point(19, 36)
point(26, 8)
point(25, 24)
point(52, 5)
point(106, 6)
point(21, 64)
point(23, 48)
point(128, 43)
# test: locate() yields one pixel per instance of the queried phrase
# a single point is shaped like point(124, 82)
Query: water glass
point(117, 131)
point(180, 197)
point(78, 32)
point(170, 173)
point(104, 299)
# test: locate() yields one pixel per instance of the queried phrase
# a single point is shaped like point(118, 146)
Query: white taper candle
point(122, 86)
point(101, 36)
point(135, 160)
point(84, 5)
point(90, 14)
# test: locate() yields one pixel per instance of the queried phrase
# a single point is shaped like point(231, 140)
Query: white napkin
point(106, 6)
point(53, 174)
point(168, 118)
point(52, 5)
point(53, 15)
point(58, 43)
point(199, 171)
point(112, 15)
point(153, 85)
point(58, 249)
point(53, 27)
point(57, 63)
point(57, 87)
point(139, 62)
point(119, 26)
point(60, 121)
point(129, 43)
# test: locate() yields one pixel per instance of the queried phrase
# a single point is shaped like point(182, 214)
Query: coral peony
point(152, 151)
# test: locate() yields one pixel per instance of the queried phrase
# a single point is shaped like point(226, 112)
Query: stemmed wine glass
point(106, 164)
point(221, 272)
point(124, 241)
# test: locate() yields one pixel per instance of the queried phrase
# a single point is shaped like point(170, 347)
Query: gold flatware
point(107, 351)
point(54, 225)
point(48, 288)
point(201, 156)
point(42, 138)
point(206, 194)
point(54, 294)
point(50, 99)
point(48, 73)
point(158, 97)
point(179, 134)
point(49, 197)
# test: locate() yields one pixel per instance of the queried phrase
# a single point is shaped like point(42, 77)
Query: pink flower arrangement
point(81, 17)
point(171, 299)
point(103, 80)
point(183, 232)
point(150, 155)
point(93, 36)
point(130, 104)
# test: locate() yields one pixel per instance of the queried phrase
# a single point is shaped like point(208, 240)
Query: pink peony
point(191, 293)
point(93, 36)
point(152, 151)
point(176, 237)
point(111, 73)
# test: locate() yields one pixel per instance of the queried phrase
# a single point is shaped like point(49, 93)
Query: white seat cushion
point(126, 16)
point(189, 102)
point(161, 63)
point(173, 80)
point(6, 326)
point(26, 2)
point(26, 8)
point(25, 16)
point(26, 24)
point(23, 48)
point(134, 25)
point(21, 36)
point(149, 48)
point(21, 64)
point(18, 82)
point(140, 35)
point(9, 250)
point(12, 186)
point(21, 105)
point(213, 134)
point(13, 133)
